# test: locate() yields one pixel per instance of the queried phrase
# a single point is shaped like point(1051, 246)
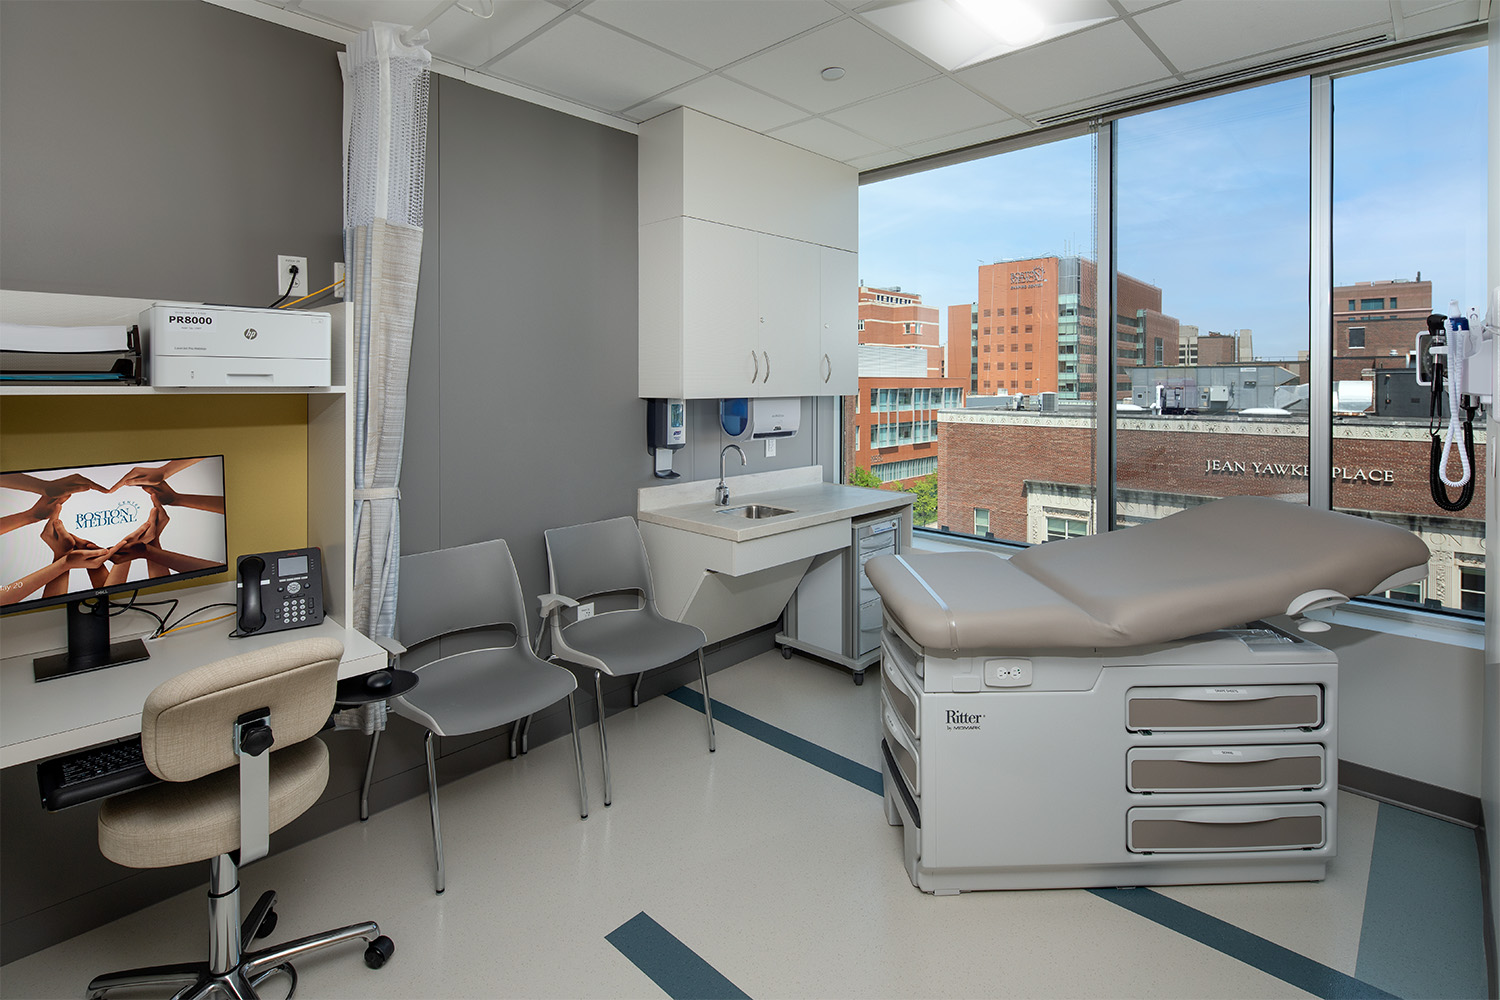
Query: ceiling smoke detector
point(833, 73)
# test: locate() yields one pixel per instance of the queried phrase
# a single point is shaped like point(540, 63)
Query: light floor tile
point(782, 877)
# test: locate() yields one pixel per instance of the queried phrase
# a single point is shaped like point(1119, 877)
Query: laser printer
point(191, 344)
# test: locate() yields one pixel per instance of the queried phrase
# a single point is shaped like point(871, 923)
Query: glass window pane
point(1212, 232)
point(1408, 236)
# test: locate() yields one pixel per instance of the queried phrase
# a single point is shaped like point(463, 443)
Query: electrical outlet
point(770, 447)
point(339, 290)
point(284, 267)
point(585, 611)
point(1009, 671)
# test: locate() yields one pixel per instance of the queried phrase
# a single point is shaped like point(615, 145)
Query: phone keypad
point(295, 611)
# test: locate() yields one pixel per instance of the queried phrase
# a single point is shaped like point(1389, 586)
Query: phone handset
point(252, 617)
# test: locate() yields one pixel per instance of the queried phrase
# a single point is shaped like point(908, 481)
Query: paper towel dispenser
point(775, 418)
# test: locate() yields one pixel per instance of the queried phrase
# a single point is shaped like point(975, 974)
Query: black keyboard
point(93, 774)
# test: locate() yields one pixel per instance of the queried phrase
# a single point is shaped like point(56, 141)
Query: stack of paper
point(69, 354)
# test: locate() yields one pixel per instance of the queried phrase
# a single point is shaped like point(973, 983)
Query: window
point(1028, 366)
point(1066, 527)
point(1351, 305)
point(1014, 347)
point(1030, 347)
point(1028, 310)
point(1013, 329)
point(986, 348)
point(1184, 252)
point(986, 312)
point(1012, 310)
point(1471, 588)
point(981, 521)
point(911, 468)
point(1384, 475)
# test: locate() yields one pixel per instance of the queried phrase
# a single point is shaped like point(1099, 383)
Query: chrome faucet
point(721, 492)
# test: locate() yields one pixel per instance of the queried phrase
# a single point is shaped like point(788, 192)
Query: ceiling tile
point(1424, 18)
point(872, 66)
point(874, 160)
point(464, 38)
point(937, 107)
point(827, 139)
point(1196, 35)
point(726, 100)
point(593, 65)
point(362, 14)
point(714, 33)
point(972, 137)
point(1067, 70)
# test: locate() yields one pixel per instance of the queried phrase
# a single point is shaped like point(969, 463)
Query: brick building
point(1375, 324)
point(1033, 327)
point(891, 427)
point(1029, 477)
point(1218, 349)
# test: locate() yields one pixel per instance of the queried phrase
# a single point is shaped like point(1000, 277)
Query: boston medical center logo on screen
point(126, 512)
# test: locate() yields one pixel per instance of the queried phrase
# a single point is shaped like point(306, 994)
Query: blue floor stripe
point(1424, 916)
point(865, 777)
point(672, 965)
point(1283, 963)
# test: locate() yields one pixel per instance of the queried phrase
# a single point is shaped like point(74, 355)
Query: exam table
point(1110, 710)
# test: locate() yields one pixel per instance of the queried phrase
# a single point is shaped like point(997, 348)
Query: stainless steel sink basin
point(756, 511)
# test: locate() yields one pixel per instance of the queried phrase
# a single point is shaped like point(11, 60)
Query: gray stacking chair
point(206, 733)
point(448, 592)
point(607, 559)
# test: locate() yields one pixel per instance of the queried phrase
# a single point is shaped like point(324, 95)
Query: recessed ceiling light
point(1011, 21)
point(833, 73)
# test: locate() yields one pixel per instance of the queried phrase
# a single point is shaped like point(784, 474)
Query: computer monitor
point(76, 535)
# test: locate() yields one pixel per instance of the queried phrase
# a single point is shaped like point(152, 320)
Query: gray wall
point(184, 178)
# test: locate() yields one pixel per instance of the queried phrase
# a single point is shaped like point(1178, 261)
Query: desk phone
point(276, 591)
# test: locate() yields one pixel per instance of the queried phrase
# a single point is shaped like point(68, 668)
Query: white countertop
point(690, 506)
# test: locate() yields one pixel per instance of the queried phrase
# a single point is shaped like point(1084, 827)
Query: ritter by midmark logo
point(963, 720)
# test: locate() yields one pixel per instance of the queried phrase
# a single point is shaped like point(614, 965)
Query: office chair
point(457, 590)
point(205, 733)
point(604, 559)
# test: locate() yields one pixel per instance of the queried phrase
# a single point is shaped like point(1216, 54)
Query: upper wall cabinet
point(748, 265)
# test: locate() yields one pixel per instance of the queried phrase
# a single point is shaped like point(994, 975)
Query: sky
point(1213, 202)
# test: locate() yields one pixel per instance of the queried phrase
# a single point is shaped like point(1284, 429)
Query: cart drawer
point(903, 749)
point(1224, 769)
point(1274, 706)
point(900, 693)
point(1215, 829)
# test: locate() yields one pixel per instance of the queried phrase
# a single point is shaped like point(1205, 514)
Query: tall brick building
point(1029, 477)
point(891, 427)
point(1375, 324)
point(1033, 327)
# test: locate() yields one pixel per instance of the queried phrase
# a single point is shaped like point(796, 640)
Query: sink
point(756, 511)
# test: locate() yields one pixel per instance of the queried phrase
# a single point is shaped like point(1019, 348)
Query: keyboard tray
point(58, 792)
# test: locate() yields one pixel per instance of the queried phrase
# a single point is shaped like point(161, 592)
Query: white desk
point(43, 720)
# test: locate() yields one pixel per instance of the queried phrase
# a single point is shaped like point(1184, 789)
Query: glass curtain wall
point(1409, 210)
point(1211, 320)
point(1003, 247)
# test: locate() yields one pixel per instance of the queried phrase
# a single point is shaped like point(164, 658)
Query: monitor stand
point(89, 647)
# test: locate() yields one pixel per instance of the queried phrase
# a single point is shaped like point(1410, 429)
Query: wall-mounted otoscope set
point(1458, 350)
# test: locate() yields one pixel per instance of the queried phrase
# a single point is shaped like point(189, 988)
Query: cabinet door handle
point(827, 368)
point(756, 362)
point(768, 365)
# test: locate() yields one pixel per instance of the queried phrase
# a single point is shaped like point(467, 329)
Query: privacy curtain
point(385, 153)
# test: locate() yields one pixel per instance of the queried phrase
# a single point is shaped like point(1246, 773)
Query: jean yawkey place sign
point(1232, 467)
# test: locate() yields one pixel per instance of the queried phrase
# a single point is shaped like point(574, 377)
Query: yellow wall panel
point(262, 436)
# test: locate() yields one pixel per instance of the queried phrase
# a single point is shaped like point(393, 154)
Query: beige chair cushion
point(179, 823)
point(187, 725)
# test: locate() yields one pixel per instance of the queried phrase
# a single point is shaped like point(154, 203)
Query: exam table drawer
point(1200, 829)
point(1204, 709)
point(903, 748)
point(1225, 769)
point(900, 692)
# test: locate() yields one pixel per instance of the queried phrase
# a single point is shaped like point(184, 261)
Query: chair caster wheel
point(267, 925)
point(859, 678)
point(786, 652)
point(379, 952)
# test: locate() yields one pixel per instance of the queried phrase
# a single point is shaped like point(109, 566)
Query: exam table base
point(1038, 785)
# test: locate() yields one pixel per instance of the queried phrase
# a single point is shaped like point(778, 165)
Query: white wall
point(1491, 777)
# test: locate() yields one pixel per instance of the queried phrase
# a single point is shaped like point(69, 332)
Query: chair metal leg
point(515, 738)
point(181, 975)
point(437, 830)
point(262, 961)
point(708, 705)
point(635, 690)
point(583, 791)
point(364, 790)
point(603, 744)
point(258, 913)
point(526, 734)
